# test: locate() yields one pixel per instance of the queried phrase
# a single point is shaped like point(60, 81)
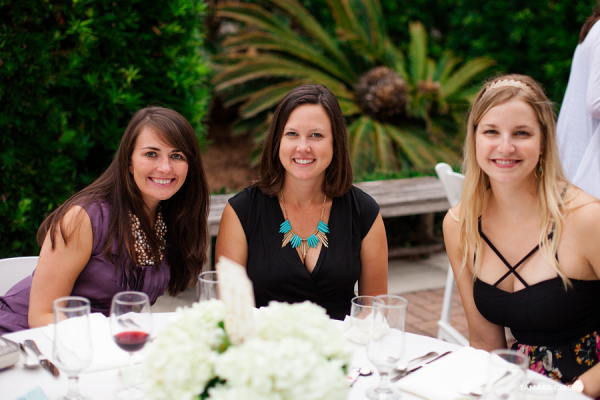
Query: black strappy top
point(542, 314)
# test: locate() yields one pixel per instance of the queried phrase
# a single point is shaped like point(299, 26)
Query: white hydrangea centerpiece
point(296, 353)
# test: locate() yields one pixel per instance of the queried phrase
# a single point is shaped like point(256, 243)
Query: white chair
point(452, 183)
point(13, 270)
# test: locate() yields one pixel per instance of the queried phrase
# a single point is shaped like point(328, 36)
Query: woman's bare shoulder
point(583, 212)
point(452, 217)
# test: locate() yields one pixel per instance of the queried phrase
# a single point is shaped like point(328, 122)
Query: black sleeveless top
point(278, 273)
point(542, 314)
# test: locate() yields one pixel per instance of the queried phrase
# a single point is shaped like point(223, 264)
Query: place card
point(237, 294)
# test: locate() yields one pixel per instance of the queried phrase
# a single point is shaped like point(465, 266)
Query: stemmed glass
point(506, 371)
point(385, 348)
point(72, 349)
point(130, 326)
point(208, 287)
point(361, 314)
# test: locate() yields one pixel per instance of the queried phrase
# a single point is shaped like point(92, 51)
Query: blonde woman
point(523, 242)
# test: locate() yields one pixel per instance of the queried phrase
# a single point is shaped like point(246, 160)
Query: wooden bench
point(396, 198)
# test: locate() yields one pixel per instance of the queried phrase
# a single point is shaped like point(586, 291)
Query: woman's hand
point(58, 268)
point(482, 333)
point(231, 240)
point(374, 261)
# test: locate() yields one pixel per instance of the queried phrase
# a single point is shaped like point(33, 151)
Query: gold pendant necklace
point(312, 241)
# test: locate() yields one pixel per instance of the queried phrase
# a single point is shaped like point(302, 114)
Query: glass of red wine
point(130, 326)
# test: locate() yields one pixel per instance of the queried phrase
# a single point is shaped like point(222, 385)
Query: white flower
point(290, 367)
point(306, 321)
point(297, 354)
point(180, 361)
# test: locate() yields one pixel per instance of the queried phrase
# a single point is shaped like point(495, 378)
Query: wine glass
point(385, 348)
point(506, 371)
point(361, 314)
point(72, 350)
point(208, 287)
point(130, 326)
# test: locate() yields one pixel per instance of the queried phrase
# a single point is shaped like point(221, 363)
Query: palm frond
point(253, 15)
point(395, 60)
point(417, 52)
point(275, 66)
point(357, 131)
point(417, 150)
point(465, 74)
point(314, 29)
point(381, 141)
point(297, 48)
point(268, 97)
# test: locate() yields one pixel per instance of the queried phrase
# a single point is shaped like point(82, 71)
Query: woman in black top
point(523, 242)
point(302, 230)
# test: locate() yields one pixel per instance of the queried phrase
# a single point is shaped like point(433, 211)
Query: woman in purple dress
point(140, 226)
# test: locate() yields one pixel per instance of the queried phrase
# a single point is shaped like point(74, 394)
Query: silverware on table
point(42, 358)
point(357, 372)
point(429, 355)
point(410, 371)
point(28, 363)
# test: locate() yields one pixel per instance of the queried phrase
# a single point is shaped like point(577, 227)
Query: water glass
point(361, 315)
point(208, 287)
point(385, 348)
point(72, 350)
point(506, 371)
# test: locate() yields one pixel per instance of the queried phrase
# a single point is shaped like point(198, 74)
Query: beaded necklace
point(312, 241)
point(141, 246)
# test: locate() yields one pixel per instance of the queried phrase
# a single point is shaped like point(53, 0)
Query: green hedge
point(532, 37)
point(71, 75)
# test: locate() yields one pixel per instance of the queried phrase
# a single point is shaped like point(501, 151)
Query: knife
point(410, 371)
point(42, 358)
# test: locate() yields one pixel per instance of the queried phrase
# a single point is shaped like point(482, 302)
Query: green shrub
point(71, 75)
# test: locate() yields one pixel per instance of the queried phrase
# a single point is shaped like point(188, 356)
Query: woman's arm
point(586, 220)
point(58, 269)
point(231, 240)
point(482, 333)
point(374, 261)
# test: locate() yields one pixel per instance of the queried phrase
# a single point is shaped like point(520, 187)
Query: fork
point(424, 357)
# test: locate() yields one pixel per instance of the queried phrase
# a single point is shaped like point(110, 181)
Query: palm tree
point(403, 110)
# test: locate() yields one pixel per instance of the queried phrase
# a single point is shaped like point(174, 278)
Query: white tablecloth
point(101, 385)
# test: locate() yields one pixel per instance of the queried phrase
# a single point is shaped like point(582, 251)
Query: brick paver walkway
point(425, 309)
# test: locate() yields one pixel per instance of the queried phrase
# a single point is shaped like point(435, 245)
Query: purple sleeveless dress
point(99, 280)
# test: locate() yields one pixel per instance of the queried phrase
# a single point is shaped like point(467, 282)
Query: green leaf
point(268, 97)
point(418, 52)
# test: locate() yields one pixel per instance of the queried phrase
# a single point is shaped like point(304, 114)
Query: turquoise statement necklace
point(312, 241)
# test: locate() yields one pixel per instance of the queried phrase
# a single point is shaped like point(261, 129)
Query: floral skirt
point(565, 362)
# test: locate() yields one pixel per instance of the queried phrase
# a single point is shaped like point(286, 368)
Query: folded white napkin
point(357, 329)
point(446, 378)
point(106, 354)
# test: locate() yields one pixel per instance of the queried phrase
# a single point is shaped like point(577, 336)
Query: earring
point(539, 174)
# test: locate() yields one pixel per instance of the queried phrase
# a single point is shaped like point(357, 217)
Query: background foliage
point(532, 37)
point(71, 75)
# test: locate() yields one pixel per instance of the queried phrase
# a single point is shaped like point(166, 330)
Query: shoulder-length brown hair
point(338, 175)
point(585, 29)
point(185, 213)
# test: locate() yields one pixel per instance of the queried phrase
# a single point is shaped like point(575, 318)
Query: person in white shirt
point(578, 126)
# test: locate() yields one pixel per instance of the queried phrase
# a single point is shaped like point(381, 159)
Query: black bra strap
point(511, 269)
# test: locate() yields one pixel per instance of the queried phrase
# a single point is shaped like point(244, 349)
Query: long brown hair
point(338, 175)
point(185, 213)
point(587, 26)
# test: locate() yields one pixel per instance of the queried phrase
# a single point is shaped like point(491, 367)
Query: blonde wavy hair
point(550, 204)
